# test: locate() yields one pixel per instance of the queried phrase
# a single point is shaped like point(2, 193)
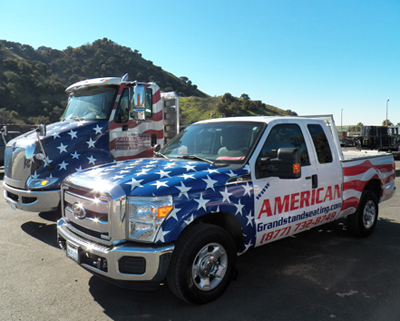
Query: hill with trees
point(33, 82)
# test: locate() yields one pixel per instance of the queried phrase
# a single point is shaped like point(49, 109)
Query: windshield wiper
point(195, 157)
point(160, 155)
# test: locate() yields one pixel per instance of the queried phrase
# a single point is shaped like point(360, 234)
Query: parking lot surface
point(321, 274)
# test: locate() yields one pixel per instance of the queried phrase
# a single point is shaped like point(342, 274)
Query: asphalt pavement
point(321, 274)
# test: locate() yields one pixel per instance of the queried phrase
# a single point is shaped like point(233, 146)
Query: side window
point(321, 144)
point(149, 102)
point(122, 114)
point(285, 135)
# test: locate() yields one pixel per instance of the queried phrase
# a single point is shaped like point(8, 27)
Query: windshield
point(215, 141)
point(91, 103)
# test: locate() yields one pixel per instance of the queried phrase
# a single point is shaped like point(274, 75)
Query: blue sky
point(339, 57)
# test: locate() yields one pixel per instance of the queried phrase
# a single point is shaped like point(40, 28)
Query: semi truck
point(106, 120)
point(216, 190)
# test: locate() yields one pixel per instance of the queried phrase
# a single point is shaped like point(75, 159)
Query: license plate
point(72, 252)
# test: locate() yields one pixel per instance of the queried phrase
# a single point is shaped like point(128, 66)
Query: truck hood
point(157, 176)
point(67, 145)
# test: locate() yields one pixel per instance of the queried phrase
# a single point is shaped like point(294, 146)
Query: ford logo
point(79, 211)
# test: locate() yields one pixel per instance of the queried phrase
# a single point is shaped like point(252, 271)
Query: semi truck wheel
point(203, 264)
point(363, 222)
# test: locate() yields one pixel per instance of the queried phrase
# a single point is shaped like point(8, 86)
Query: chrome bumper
point(32, 201)
point(107, 262)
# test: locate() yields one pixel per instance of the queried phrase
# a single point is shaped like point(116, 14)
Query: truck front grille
point(88, 213)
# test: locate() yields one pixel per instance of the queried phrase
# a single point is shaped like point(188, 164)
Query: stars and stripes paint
point(198, 188)
point(358, 173)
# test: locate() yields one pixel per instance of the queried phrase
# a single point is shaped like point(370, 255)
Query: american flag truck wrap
point(100, 125)
point(216, 190)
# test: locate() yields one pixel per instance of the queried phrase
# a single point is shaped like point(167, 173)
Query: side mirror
point(4, 133)
point(138, 103)
point(287, 165)
point(41, 130)
point(156, 148)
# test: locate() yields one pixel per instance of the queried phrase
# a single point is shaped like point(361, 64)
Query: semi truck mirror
point(41, 129)
point(4, 133)
point(138, 96)
point(138, 104)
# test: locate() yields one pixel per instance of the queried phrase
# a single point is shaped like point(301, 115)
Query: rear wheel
point(203, 264)
point(363, 222)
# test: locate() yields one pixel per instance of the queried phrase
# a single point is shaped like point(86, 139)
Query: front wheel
point(203, 264)
point(363, 222)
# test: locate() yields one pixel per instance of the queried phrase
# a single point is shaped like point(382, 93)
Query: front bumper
point(127, 264)
point(30, 200)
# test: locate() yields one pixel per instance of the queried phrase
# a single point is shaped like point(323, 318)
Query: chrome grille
point(95, 224)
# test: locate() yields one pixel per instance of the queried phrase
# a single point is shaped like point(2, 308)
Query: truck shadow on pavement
point(45, 232)
point(321, 274)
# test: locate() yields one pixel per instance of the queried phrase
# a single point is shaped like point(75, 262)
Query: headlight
point(146, 215)
point(37, 183)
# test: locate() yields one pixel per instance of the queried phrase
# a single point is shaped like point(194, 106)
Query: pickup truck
point(216, 190)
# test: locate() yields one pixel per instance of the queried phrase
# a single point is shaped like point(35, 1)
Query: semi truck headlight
point(37, 183)
point(146, 215)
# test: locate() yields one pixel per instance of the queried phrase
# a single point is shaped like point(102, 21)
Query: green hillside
point(33, 82)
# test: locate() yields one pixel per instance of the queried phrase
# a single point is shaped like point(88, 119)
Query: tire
point(363, 222)
point(203, 264)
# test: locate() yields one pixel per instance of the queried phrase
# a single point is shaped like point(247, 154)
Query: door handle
point(314, 180)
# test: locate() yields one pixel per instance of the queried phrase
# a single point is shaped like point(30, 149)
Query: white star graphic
point(72, 134)
point(143, 171)
point(90, 142)
point(247, 168)
point(183, 190)
point(239, 208)
point(63, 165)
point(160, 235)
point(34, 176)
point(62, 148)
point(91, 159)
point(173, 213)
point(169, 165)
point(159, 184)
point(247, 246)
point(231, 174)
point(210, 170)
point(75, 155)
point(163, 174)
point(98, 129)
point(118, 177)
point(247, 189)
point(210, 183)
point(225, 195)
point(190, 220)
point(134, 183)
point(249, 219)
point(56, 135)
point(189, 168)
point(186, 176)
point(79, 169)
point(48, 160)
point(202, 202)
point(50, 177)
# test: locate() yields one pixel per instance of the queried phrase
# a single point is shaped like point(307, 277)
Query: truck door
point(285, 206)
point(130, 138)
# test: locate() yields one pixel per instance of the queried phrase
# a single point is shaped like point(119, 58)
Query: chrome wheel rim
point(209, 266)
point(369, 214)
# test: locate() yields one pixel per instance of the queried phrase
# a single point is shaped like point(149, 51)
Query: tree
point(245, 97)
point(358, 127)
point(387, 122)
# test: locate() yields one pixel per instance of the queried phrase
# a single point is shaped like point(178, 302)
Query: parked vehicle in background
point(106, 120)
point(218, 189)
